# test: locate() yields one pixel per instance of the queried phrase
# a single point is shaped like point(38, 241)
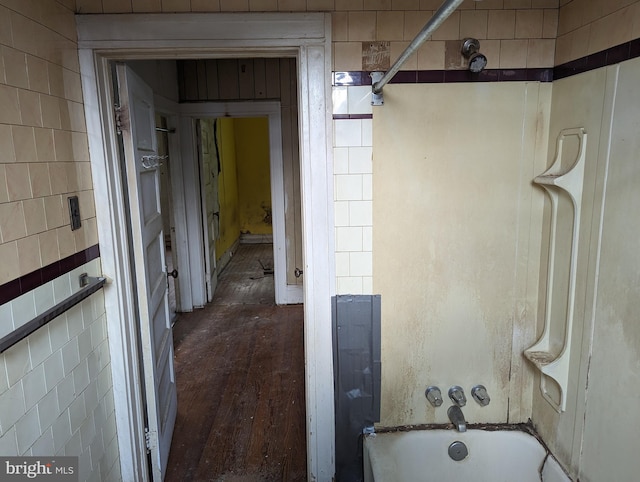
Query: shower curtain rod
point(445, 10)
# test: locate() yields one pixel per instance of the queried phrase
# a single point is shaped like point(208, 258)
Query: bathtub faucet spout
point(457, 418)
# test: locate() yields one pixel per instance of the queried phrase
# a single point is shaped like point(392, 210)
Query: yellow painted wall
point(227, 187)
point(254, 185)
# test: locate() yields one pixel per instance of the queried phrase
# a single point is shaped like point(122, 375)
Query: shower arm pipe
point(445, 10)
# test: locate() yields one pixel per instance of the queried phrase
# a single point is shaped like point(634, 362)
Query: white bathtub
point(493, 456)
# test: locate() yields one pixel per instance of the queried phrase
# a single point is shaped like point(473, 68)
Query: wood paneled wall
point(216, 80)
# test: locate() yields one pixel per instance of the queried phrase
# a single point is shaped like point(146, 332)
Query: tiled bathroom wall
point(352, 160)
point(55, 385)
point(589, 26)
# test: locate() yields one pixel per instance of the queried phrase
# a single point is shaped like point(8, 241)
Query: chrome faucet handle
point(480, 395)
point(456, 394)
point(434, 396)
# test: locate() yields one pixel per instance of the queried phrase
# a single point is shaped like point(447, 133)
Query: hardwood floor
point(240, 377)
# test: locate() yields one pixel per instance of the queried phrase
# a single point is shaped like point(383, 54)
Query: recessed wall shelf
point(563, 182)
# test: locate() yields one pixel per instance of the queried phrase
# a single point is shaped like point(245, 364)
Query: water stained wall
point(456, 243)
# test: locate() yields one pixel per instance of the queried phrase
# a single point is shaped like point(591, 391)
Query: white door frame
point(305, 36)
point(285, 294)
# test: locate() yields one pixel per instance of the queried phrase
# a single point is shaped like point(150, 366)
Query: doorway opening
point(306, 37)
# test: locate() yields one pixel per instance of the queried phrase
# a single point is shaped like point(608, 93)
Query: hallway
point(240, 376)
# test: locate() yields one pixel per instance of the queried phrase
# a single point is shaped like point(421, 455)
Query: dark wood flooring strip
point(240, 378)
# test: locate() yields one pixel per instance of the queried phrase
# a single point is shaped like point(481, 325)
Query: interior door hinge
point(149, 439)
point(122, 123)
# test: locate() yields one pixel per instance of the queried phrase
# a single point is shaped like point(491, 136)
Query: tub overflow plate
point(458, 451)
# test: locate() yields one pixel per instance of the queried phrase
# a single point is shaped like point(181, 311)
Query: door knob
point(173, 274)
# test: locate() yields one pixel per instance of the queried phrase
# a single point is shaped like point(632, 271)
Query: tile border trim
point(619, 53)
point(13, 289)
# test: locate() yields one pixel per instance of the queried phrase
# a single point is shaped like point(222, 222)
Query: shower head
point(470, 50)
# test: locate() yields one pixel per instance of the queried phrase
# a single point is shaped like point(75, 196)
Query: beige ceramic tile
point(4, 194)
point(450, 28)
point(580, 42)
point(12, 224)
point(7, 153)
point(9, 110)
point(513, 54)
point(348, 56)
point(563, 49)
point(176, 5)
point(85, 181)
point(405, 4)
point(76, 116)
point(73, 183)
point(236, 5)
point(569, 17)
point(65, 114)
point(611, 30)
point(39, 179)
point(453, 59)
point(431, 55)
point(362, 26)
point(414, 22)
point(10, 267)
point(339, 26)
point(377, 4)
point(6, 37)
point(490, 5)
point(63, 145)
point(116, 6)
point(30, 107)
point(34, 216)
point(58, 173)
point(18, 182)
point(15, 65)
point(205, 5)
point(53, 211)
point(502, 24)
point(29, 254)
point(24, 34)
point(473, 23)
point(80, 146)
point(320, 5)
point(541, 53)
point(396, 50)
point(50, 106)
point(529, 23)
point(516, 4)
point(430, 4)
point(550, 24)
point(66, 241)
point(49, 252)
point(44, 145)
point(591, 11)
point(91, 231)
point(544, 4)
point(24, 143)
point(636, 20)
point(56, 80)
point(72, 85)
point(144, 6)
point(80, 238)
point(87, 204)
point(89, 6)
point(491, 49)
point(390, 26)
point(289, 5)
point(610, 6)
point(343, 5)
point(263, 5)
